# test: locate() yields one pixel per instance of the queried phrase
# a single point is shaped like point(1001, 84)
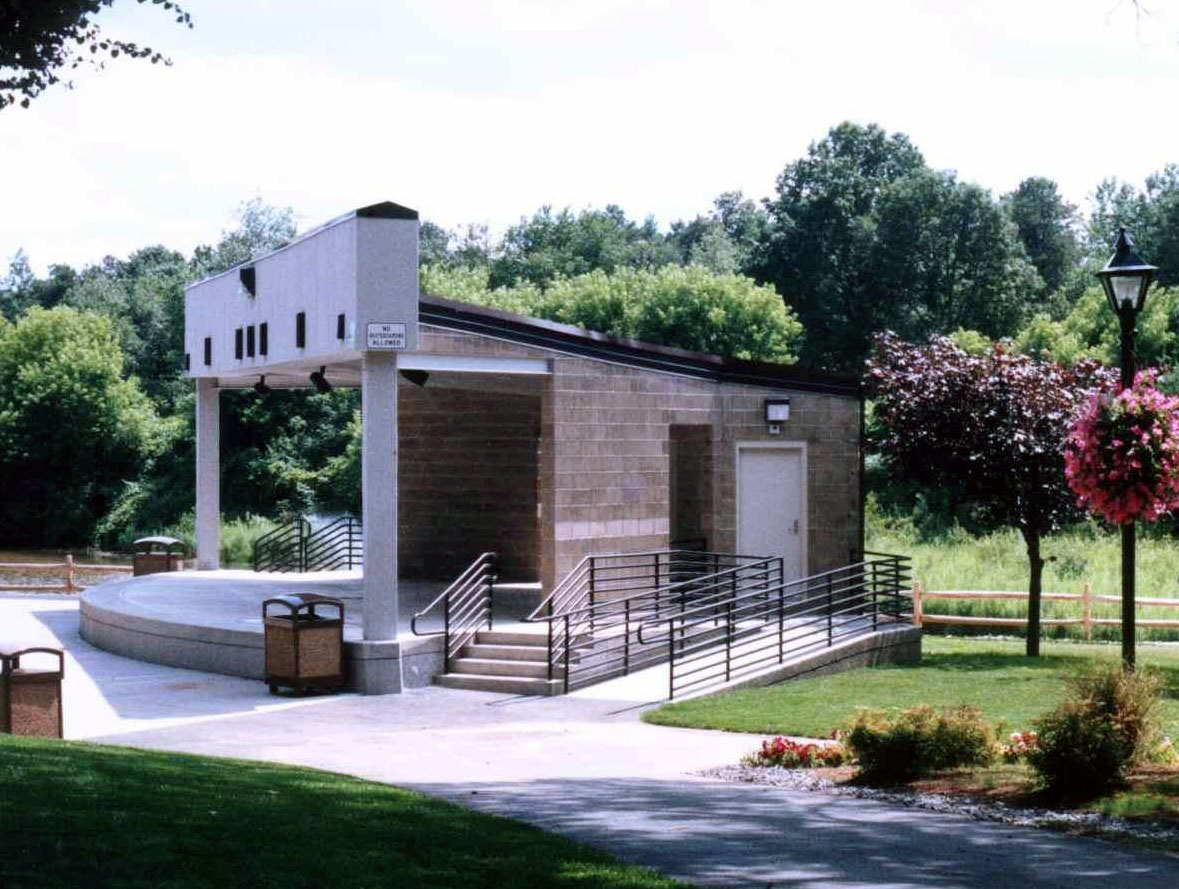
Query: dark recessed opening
point(208, 350)
point(187, 361)
point(249, 280)
point(250, 341)
point(340, 326)
point(263, 339)
point(301, 330)
point(237, 344)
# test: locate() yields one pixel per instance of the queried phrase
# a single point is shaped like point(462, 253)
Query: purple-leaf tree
point(993, 426)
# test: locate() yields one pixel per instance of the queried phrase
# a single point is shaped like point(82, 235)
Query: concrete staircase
point(505, 661)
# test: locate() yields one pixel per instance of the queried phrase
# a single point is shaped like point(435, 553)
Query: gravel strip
point(1089, 822)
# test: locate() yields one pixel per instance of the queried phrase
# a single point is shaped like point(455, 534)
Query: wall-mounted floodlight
point(417, 377)
point(777, 412)
point(260, 387)
point(322, 386)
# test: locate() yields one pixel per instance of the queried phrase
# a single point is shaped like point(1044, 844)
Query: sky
point(481, 112)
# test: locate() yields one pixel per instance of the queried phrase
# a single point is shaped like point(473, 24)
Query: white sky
point(483, 111)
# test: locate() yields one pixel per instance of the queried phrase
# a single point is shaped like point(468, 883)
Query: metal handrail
point(593, 612)
point(273, 550)
point(750, 627)
point(466, 603)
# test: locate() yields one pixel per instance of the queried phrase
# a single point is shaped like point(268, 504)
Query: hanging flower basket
point(1122, 453)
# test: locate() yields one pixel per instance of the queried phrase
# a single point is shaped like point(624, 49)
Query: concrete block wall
point(603, 471)
point(467, 477)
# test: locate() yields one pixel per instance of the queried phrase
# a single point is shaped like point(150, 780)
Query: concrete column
point(379, 494)
point(208, 475)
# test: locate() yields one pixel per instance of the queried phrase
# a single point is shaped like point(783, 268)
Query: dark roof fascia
point(383, 210)
point(537, 332)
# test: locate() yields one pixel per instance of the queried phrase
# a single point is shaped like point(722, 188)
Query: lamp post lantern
point(1126, 278)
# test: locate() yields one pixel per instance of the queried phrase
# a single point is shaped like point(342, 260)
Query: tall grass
point(237, 537)
point(998, 561)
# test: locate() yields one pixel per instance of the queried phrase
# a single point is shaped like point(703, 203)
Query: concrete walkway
point(584, 767)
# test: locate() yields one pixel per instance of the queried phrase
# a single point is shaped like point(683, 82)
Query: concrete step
point(506, 652)
point(508, 685)
point(514, 637)
point(491, 667)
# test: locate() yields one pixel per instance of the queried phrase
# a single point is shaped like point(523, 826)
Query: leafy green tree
point(689, 307)
point(724, 241)
point(40, 38)
point(862, 236)
point(72, 426)
point(565, 244)
point(261, 228)
point(144, 298)
point(1090, 331)
point(946, 256)
point(20, 289)
point(1150, 214)
point(1047, 227)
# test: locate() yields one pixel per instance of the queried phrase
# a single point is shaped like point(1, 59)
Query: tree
point(724, 241)
point(20, 289)
point(1047, 228)
point(991, 426)
point(73, 428)
point(39, 38)
point(689, 307)
point(261, 228)
point(862, 236)
point(564, 244)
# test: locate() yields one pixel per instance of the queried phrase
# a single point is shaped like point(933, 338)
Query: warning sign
point(385, 335)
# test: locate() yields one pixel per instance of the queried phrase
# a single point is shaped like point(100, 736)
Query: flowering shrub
point(1122, 453)
point(1019, 746)
point(789, 754)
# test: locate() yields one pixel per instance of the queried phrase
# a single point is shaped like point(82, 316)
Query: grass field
point(998, 561)
point(993, 675)
point(78, 814)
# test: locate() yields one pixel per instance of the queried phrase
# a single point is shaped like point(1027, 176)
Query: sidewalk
point(586, 768)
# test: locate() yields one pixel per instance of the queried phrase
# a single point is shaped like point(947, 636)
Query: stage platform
point(212, 621)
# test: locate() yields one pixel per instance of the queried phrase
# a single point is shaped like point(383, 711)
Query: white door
point(771, 505)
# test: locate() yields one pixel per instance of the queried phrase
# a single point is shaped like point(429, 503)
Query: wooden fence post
point(69, 573)
point(917, 610)
point(1087, 612)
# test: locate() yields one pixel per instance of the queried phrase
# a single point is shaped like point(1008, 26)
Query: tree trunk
point(1036, 568)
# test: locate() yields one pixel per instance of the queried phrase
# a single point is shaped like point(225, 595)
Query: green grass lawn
point(74, 814)
point(992, 675)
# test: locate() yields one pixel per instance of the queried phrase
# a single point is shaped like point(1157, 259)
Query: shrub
point(789, 754)
point(1107, 721)
point(894, 747)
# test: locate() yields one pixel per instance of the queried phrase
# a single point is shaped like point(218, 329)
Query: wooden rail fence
point(69, 569)
point(1086, 621)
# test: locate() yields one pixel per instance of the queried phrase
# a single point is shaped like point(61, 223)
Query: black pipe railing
point(466, 605)
point(735, 632)
point(594, 613)
point(297, 546)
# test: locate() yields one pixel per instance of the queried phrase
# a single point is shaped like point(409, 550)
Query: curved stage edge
point(212, 621)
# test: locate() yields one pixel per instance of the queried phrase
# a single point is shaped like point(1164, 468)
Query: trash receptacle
point(304, 649)
point(30, 698)
point(153, 555)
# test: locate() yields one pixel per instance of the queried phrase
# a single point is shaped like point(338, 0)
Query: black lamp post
point(1126, 278)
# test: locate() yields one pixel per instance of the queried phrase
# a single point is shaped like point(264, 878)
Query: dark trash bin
point(153, 555)
point(30, 698)
point(304, 649)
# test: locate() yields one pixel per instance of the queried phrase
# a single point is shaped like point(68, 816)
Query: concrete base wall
point(893, 645)
point(370, 667)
